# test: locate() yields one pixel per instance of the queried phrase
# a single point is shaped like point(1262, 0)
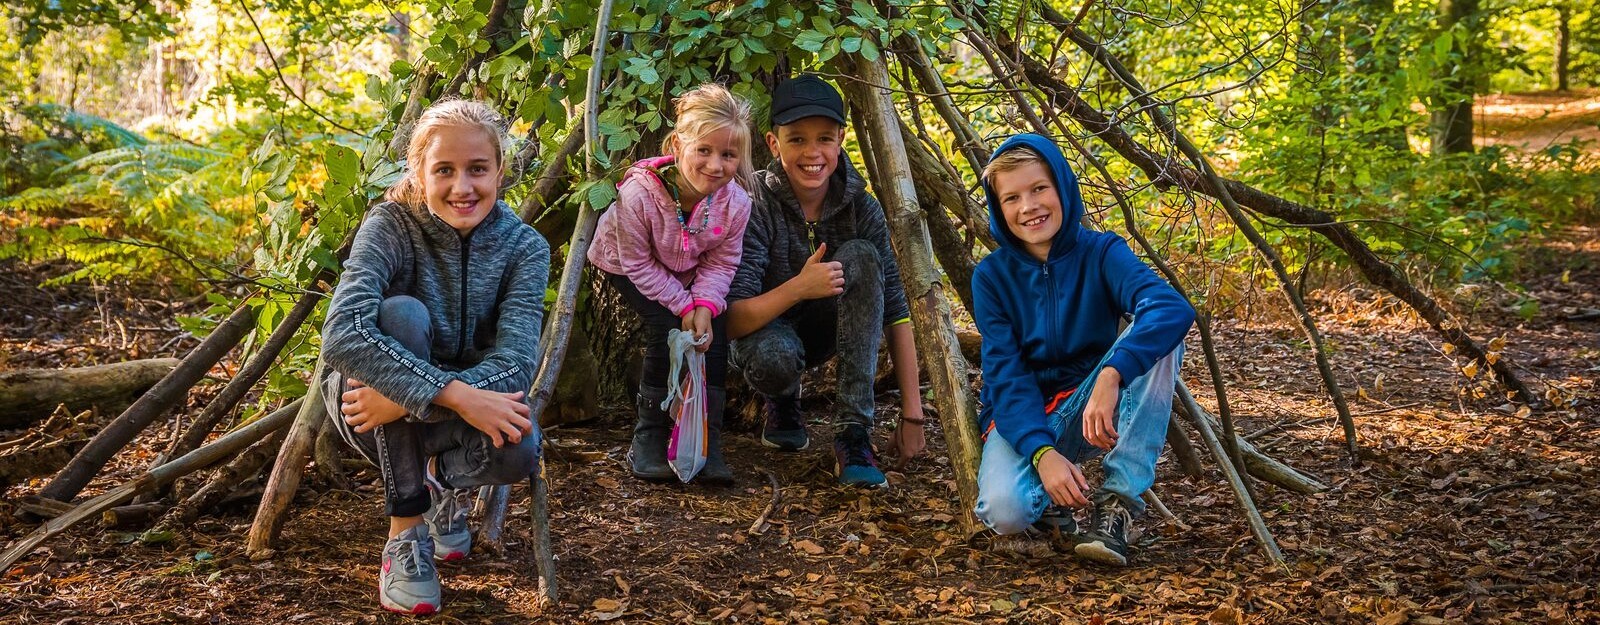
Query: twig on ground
point(760, 524)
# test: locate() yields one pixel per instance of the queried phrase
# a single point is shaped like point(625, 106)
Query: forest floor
point(1535, 121)
point(1463, 510)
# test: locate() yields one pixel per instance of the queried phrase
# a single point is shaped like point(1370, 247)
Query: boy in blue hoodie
point(1060, 383)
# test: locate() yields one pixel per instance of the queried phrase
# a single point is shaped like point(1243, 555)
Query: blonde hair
point(706, 109)
point(1010, 160)
point(442, 115)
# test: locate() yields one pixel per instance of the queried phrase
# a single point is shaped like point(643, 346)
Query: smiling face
point(460, 176)
point(1030, 204)
point(708, 163)
point(809, 150)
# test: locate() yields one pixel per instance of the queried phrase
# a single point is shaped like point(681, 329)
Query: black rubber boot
point(648, 456)
point(716, 471)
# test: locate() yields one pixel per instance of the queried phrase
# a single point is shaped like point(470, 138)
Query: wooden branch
point(162, 397)
point(937, 346)
point(550, 184)
point(252, 372)
point(222, 485)
point(28, 396)
point(942, 199)
point(1258, 525)
point(152, 479)
point(968, 142)
point(493, 500)
point(286, 472)
point(1183, 449)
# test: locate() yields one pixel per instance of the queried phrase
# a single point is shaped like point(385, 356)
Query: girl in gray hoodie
point(432, 338)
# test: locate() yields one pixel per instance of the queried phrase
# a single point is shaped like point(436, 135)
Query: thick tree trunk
point(28, 396)
point(167, 393)
point(1451, 106)
point(1563, 46)
point(614, 346)
point(937, 346)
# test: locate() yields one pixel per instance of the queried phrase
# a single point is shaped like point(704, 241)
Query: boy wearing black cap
point(819, 280)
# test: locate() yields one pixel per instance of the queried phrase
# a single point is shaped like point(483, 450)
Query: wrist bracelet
point(1040, 454)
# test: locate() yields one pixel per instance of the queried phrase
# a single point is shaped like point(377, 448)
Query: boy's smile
point(809, 150)
point(1031, 206)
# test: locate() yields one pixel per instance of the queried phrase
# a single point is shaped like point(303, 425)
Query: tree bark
point(162, 397)
point(153, 479)
point(1451, 105)
point(937, 345)
point(1563, 54)
point(222, 485)
point(289, 467)
point(942, 199)
point(28, 396)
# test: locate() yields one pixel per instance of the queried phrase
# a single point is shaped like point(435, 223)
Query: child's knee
point(859, 258)
point(772, 366)
point(514, 462)
point(405, 319)
point(1006, 511)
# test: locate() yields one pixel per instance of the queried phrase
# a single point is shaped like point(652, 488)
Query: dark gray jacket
point(484, 293)
point(778, 239)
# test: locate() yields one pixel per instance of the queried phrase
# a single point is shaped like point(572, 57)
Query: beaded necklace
point(665, 176)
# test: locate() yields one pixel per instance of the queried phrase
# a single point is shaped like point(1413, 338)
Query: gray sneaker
point(447, 521)
point(408, 583)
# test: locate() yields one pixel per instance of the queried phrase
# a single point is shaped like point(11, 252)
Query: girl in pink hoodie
point(670, 245)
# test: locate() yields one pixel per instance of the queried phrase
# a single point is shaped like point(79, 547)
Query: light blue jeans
point(1010, 495)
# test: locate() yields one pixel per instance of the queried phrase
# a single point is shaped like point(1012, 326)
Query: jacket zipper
point(1050, 309)
point(811, 236)
point(461, 330)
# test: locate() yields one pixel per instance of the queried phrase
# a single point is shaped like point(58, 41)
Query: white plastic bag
point(686, 403)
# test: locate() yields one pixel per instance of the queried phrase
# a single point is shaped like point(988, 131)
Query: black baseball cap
point(805, 96)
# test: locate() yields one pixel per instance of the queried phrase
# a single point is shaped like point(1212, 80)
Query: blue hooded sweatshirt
point(1045, 325)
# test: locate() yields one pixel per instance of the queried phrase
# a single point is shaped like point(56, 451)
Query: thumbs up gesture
point(818, 278)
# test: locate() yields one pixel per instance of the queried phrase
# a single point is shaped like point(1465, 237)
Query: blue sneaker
point(854, 461)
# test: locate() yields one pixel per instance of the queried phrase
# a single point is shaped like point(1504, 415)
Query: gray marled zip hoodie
point(778, 240)
point(484, 292)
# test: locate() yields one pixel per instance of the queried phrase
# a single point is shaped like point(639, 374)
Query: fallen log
point(28, 396)
point(152, 479)
point(45, 448)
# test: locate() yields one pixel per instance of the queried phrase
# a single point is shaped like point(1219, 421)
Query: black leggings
point(657, 322)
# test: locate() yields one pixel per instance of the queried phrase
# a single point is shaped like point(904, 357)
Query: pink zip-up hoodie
point(640, 237)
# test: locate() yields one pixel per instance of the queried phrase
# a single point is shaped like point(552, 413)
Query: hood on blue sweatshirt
point(1048, 326)
point(1066, 184)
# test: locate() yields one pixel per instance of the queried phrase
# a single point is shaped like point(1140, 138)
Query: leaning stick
point(561, 317)
point(1258, 525)
point(152, 479)
point(165, 394)
point(247, 377)
point(290, 466)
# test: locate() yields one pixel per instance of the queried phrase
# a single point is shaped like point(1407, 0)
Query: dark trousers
point(657, 322)
point(467, 458)
point(848, 326)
